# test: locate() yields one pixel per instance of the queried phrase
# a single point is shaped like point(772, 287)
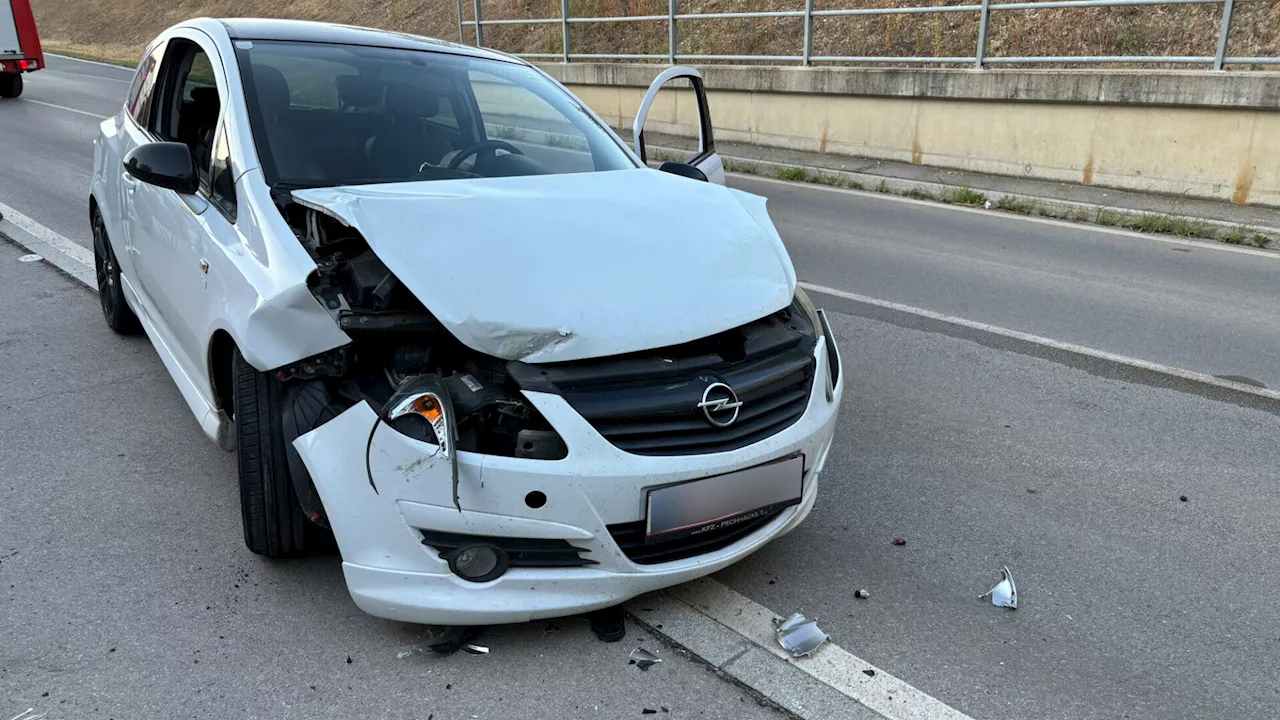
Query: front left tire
point(110, 290)
point(274, 524)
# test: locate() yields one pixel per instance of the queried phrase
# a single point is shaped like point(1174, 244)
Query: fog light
point(479, 563)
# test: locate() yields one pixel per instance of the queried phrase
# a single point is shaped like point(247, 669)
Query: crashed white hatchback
point(442, 311)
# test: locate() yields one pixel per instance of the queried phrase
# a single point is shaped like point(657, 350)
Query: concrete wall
point(1213, 135)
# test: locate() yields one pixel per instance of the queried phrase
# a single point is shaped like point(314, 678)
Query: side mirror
point(683, 170)
point(164, 164)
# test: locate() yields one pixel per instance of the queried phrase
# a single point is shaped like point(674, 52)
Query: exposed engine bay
point(395, 340)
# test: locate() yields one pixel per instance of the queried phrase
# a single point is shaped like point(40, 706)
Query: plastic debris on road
point(899, 541)
point(475, 649)
point(643, 659)
point(31, 258)
point(861, 594)
point(1005, 593)
point(987, 205)
point(799, 635)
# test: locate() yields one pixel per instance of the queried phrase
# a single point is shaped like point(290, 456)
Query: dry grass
point(119, 28)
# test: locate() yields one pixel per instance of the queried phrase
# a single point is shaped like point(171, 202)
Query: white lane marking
point(76, 252)
point(1084, 227)
point(95, 116)
point(121, 68)
point(1049, 342)
point(831, 664)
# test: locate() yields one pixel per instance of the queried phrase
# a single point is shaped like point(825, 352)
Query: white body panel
point(551, 268)
point(9, 44)
point(390, 573)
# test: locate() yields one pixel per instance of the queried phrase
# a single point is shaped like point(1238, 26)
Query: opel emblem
point(720, 404)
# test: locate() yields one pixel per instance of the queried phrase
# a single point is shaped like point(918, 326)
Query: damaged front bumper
point(383, 504)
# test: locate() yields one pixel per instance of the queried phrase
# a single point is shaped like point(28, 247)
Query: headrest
point(410, 101)
point(356, 90)
point(207, 96)
point(272, 88)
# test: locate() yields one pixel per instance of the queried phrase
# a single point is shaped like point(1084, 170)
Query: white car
point(441, 311)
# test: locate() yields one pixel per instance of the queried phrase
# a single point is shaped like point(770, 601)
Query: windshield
point(326, 115)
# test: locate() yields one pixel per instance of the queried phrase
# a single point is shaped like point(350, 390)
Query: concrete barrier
point(1200, 134)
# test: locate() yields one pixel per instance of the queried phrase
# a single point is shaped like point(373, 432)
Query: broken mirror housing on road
point(799, 635)
point(643, 659)
point(1005, 593)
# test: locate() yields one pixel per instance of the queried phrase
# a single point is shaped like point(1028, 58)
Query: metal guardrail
point(979, 60)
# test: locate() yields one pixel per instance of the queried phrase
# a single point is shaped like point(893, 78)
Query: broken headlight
point(488, 418)
point(819, 321)
point(810, 310)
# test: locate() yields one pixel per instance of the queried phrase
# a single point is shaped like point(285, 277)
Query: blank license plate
point(716, 503)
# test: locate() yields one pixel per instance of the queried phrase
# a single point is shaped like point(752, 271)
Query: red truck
point(19, 46)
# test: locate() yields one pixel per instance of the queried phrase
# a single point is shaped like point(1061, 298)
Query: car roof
point(318, 32)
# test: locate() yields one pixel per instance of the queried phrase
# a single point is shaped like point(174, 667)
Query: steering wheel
point(490, 146)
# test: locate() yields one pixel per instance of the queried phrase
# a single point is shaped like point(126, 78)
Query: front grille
point(647, 403)
point(522, 552)
point(630, 539)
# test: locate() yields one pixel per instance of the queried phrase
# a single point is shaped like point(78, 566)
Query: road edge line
point(123, 68)
point(896, 185)
point(734, 634)
point(65, 255)
point(1190, 375)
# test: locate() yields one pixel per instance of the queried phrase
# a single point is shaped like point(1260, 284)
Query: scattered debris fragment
point(1005, 593)
point(869, 673)
point(771, 582)
point(648, 711)
point(348, 659)
point(475, 649)
point(986, 205)
point(30, 258)
point(643, 659)
point(899, 541)
point(665, 709)
point(861, 594)
point(1183, 498)
point(799, 635)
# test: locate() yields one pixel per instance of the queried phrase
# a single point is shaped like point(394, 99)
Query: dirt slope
point(119, 28)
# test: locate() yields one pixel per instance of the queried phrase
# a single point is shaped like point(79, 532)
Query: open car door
point(705, 160)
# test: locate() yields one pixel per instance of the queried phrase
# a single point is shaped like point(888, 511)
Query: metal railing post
point(461, 37)
point(983, 22)
point(808, 32)
point(564, 28)
point(672, 39)
point(1227, 7)
point(479, 30)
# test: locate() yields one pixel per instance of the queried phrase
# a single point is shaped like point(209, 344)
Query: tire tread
point(274, 525)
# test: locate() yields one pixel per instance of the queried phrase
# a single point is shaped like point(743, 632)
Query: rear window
point(326, 115)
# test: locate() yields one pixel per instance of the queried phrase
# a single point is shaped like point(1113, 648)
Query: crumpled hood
point(565, 267)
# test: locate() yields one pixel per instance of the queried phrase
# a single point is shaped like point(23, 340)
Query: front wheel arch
point(222, 351)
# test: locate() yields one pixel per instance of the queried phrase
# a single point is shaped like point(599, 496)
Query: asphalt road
point(126, 590)
point(979, 451)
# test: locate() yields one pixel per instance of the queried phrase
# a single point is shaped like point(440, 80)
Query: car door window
point(138, 103)
point(222, 179)
point(190, 105)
